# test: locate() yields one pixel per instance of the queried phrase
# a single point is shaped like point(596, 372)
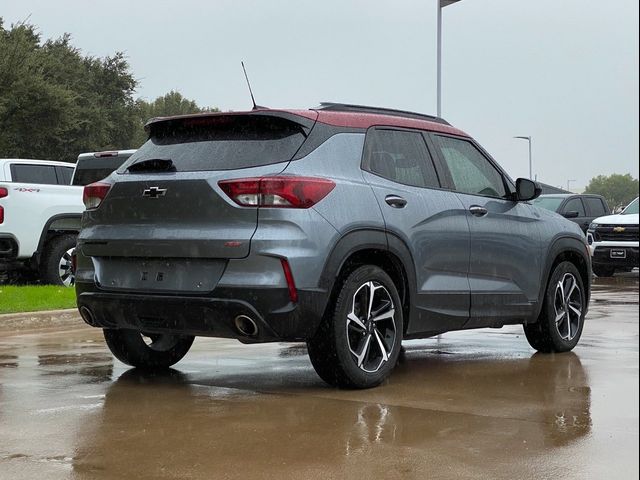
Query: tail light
point(94, 194)
point(3, 193)
point(278, 191)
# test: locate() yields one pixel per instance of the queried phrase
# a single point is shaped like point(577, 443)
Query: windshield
point(550, 203)
point(632, 208)
point(222, 143)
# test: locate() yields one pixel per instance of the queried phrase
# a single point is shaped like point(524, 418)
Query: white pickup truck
point(614, 242)
point(39, 218)
point(40, 210)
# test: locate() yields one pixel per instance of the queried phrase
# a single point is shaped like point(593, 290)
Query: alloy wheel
point(65, 271)
point(568, 307)
point(371, 326)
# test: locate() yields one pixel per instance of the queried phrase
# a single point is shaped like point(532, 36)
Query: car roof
point(567, 195)
point(344, 115)
point(31, 161)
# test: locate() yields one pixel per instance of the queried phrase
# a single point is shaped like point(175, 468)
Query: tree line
point(56, 102)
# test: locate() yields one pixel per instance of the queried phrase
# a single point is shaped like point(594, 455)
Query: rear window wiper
point(152, 165)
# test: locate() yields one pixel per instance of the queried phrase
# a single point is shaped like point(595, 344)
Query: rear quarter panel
point(29, 207)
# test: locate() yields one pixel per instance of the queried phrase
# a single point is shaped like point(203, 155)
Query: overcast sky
point(564, 72)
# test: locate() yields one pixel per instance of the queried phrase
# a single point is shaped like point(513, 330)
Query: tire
point(603, 271)
point(350, 350)
point(561, 321)
point(164, 350)
point(55, 268)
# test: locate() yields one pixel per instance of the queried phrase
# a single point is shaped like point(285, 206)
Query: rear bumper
point(602, 256)
point(277, 318)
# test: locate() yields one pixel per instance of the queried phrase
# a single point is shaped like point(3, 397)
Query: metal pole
point(530, 162)
point(439, 62)
point(528, 139)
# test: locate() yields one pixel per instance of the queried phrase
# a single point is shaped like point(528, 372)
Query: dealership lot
point(477, 404)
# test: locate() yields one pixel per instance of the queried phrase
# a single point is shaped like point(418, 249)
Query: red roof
point(341, 119)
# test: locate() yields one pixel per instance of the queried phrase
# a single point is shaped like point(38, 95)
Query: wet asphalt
point(475, 404)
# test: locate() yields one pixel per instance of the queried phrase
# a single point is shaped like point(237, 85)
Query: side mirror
point(571, 214)
point(527, 190)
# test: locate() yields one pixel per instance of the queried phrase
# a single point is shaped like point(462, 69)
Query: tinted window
point(41, 174)
point(93, 169)
point(595, 206)
point(222, 142)
point(550, 203)
point(574, 205)
point(471, 172)
point(400, 156)
point(64, 175)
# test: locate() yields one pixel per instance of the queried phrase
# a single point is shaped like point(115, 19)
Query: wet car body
point(171, 249)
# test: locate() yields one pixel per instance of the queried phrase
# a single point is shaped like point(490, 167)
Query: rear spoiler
point(305, 118)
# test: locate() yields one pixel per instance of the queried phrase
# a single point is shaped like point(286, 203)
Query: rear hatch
point(165, 202)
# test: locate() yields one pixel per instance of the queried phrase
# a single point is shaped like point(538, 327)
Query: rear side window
point(40, 174)
point(575, 205)
point(401, 157)
point(64, 175)
point(221, 142)
point(595, 206)
point(470, 170)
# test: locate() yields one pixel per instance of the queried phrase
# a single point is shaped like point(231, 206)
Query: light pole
point(441, 5)
point(528, 139)
point(568, 182)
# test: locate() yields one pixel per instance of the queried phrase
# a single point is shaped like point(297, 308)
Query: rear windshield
point(92, 169)
point(550, 203)
point(221, 142)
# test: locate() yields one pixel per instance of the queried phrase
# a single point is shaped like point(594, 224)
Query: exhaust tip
point(87, 315)
point(246, 326)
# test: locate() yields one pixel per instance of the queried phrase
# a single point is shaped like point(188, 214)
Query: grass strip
point(15, 299)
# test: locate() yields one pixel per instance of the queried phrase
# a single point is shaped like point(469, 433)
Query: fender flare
point(558, 246)
point(366, 239)
point(47, 228)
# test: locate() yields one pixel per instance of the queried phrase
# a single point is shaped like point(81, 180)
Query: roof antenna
point(255, 107)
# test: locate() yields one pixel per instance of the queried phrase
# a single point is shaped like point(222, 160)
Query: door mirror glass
point(571, 214)
point(527, 189)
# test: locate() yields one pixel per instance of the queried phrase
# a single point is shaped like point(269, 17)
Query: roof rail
point(345, 107)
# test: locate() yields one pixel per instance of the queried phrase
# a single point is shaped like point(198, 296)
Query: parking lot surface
point(475, 404)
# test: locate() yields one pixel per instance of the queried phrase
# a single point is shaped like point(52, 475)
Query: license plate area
point(618, 253)
point(182, 275)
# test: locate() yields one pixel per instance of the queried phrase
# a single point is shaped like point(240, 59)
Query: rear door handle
point(478, 211)
point(395, 201)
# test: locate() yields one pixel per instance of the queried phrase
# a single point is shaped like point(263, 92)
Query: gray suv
point(349, 228)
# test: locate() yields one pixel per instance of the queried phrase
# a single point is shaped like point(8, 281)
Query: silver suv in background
point(349, 228)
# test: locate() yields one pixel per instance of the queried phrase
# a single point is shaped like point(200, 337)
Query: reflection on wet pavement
point(476, 404)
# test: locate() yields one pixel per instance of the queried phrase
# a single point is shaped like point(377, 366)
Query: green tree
point(173, 103)
point(617, 189)
point(56, 103)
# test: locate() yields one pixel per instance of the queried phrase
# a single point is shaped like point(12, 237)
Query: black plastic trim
point(45, 230)
point(560, 245)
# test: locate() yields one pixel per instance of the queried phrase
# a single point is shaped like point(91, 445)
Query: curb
point(43, 319)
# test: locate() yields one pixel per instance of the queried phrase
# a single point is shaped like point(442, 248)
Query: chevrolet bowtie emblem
point(619, 229)
point(154, 192)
